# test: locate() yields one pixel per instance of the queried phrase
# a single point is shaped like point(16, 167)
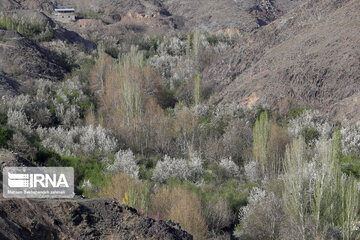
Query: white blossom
point(125, 162)
point(230, 167)
point(85, 140)
point(18, 120)
point(180, 168)
point(252, 171)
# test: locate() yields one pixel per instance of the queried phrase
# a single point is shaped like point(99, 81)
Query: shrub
point(252, 172)
point(182, 206)
point(166, 65)
point(350, 136)
point(261, 218)
point(310, 119)
point(78, 140)
point(125, 162)
point(86, 169)
point(310, 135)
point(5, 136)
point(237, 141)
point(129, 191)
point(19, 121)
point(179, 168)
point(230, 167)
point(218, 216)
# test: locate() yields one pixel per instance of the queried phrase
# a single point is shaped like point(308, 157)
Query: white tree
point(125, 161)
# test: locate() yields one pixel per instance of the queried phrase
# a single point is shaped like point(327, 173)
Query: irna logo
point(38, 182)
point(16, 180)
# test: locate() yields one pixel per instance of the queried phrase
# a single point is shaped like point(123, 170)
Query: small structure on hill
point(65, 15)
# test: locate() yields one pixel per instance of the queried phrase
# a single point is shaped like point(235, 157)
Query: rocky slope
point(25, 60)
point(25, 219)
point(80, 219)
point(309, 57)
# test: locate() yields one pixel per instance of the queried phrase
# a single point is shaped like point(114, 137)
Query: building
point(65, 15)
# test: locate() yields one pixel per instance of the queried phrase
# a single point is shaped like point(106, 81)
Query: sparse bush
point(182, 206)
point(218, 216)
point(237, 140)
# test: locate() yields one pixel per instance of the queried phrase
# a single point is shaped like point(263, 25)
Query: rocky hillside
point(80, 219)
point(24, 59)
point(309, 57)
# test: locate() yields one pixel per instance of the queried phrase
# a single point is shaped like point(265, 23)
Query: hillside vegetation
point(233, 119)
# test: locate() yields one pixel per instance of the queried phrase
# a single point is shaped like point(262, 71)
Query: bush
point(5, 136)
point(261, 218)
point(182, 206)
point(85, 169)
point(179, 168)
point(310, 135)
point(129, 191)
point(230, 167)
point(218, 216)
point(125, 162)
point(78, 140)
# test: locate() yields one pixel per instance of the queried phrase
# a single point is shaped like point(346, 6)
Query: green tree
point(197, 88)
point(261, 136)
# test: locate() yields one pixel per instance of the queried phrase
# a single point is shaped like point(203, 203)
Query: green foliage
point(310, 134)
point(213, 39)
point(294, 113)
point(350, 165)
point(85, 169)
point(147, 166)
point(83, 72)
point(46, 157)
point(3, 118)
point(145, 197)
point(150, 46)
point(131, 197)
point(337, 144)
point(5, 135)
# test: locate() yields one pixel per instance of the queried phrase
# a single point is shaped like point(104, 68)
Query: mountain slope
point(24, 59)
point(310, 57)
